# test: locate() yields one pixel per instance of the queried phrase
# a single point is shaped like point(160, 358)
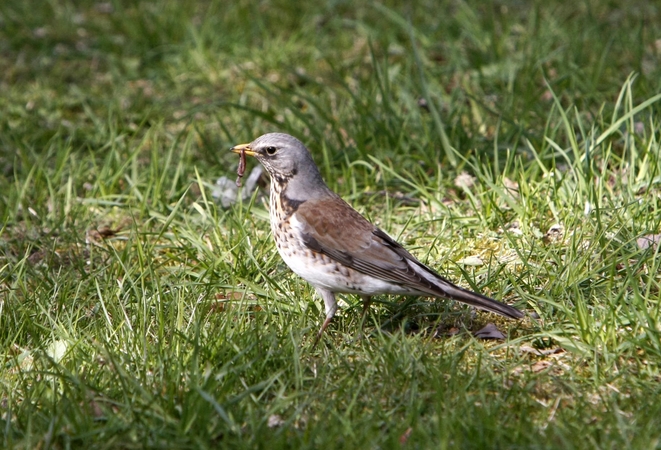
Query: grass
point(136, 312)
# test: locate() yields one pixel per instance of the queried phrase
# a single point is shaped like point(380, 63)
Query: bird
point(332, 246)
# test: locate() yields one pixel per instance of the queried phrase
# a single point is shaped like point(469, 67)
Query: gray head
point(288, 162)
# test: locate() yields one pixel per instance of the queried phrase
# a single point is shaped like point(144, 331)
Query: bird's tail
point(480, 301)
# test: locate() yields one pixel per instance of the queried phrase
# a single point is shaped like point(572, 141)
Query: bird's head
point(284, 157)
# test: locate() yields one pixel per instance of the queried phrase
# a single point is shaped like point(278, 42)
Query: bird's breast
point(281, 205)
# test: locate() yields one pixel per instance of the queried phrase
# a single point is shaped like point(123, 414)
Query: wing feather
point(347, 237)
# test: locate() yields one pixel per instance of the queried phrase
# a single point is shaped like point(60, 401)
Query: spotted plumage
point(330, 245)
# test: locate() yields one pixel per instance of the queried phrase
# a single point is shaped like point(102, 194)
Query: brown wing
point(344, 235)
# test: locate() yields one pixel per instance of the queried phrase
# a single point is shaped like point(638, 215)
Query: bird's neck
point(288, 193)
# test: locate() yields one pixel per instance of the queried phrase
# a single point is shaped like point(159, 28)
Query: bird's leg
point(366, 306)
point(331, 308)
point(367, 300)
point(321, 331)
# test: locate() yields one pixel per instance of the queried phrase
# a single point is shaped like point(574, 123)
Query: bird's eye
point(270, 150)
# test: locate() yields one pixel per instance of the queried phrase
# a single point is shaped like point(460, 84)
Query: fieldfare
point(335, 249)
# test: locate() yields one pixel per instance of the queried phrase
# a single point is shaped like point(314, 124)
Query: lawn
point(513, 146)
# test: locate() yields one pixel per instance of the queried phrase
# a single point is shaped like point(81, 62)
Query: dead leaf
point(529, 349)
point(443, 331)
point(465, 180)
point(490, 331)
point(538, 352)
point(555, 233)
point(471, 261)
point(106, 232)
point(275, 421)
point(649, 241)
point(514, 227)
point(95, 409)
point(453, 331)
point(511, 186)
point(101, 233)
point(403, 439)
point(230, 295)
point(540, 366)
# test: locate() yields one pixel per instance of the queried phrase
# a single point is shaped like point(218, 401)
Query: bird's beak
point(243, 148)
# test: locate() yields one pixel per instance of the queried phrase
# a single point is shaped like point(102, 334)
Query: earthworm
point(242, 167)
